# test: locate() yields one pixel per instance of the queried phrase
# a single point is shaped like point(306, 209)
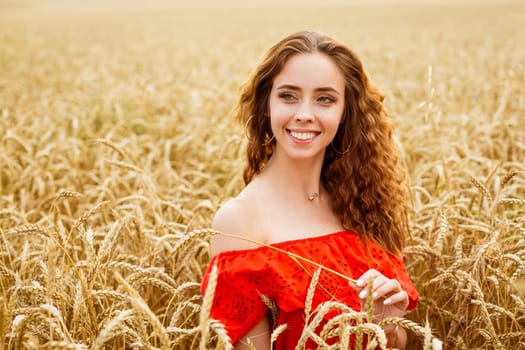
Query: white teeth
point(302, 135)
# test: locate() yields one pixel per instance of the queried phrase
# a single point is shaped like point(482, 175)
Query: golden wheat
point(117, 149)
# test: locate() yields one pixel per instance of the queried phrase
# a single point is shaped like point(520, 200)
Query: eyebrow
point(319, 89)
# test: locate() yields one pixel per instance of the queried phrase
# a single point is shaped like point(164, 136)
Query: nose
point(304, 112)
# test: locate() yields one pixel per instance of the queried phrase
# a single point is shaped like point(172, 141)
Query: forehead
point(311, 70)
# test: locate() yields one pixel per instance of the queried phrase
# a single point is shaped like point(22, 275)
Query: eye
point(326, 99)
point(287, 96)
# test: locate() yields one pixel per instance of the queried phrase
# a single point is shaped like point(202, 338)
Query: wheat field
point(117, 145)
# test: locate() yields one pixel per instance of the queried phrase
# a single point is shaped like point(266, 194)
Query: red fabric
point(244, 275)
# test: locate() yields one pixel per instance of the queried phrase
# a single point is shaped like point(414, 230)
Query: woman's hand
point(390, 300)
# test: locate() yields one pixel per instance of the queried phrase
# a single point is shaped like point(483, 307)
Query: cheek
point(280, 113)
point(338, 115)
point(276, 122)
point(333, 122)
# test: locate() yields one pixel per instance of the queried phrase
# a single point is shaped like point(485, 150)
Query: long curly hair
point(360, 167)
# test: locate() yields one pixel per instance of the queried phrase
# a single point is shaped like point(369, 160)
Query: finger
point(378, 282)
point(362, 281)
point(390, 286)
point(354, 286)
point(399, 299)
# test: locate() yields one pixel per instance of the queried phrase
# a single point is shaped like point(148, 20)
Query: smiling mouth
point(303, 135)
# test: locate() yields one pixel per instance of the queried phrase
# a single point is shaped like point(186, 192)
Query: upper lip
point(303, 130)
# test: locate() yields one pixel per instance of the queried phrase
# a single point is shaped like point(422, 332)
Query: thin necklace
point(313, 196)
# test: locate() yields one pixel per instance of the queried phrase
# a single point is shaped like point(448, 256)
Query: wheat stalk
point(142, 307)
point(112, 328)
point(204, 319)
point(289, 254)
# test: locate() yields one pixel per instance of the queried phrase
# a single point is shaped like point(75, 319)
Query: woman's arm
point(258, 335)
point(235, 217)
point(396, 337)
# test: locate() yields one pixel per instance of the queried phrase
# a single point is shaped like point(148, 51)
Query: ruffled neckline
point(284, 244)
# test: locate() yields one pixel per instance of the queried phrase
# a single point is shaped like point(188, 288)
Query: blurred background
point(117, 145)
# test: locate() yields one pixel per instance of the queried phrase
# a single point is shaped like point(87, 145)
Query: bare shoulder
point(237, 216)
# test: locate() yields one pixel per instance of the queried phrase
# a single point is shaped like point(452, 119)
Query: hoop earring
point(246, 126)
point(340, 153)
point(248, 136)
point(269, 141)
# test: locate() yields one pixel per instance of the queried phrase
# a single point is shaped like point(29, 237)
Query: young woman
point(322, 182)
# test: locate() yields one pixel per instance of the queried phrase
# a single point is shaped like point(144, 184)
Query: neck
point(296, 179)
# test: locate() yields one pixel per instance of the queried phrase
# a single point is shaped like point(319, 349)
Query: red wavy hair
point(360, 167)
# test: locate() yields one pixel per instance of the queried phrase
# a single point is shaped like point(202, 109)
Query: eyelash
point(286, 96)
point(323, 99)
point(326, 99)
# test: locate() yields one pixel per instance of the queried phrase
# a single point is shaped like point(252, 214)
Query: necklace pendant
point(313, 196)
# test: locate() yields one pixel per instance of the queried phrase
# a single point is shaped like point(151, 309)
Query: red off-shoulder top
point(245, 275)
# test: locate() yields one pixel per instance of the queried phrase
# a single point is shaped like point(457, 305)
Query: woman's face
point(306, 105)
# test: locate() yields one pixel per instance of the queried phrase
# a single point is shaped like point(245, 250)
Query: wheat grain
point(82, 219)
point(146, 280)
point(320, 312)
point(68, 194)
point(125, 155)
point(223, 338)
point(111, 329)
point(310, 294)
point(108, 244)
point(442, 232)
point(277, 332)
point(497, 311)
point(507, 178)
point(29, 229)
point(64, 345)
point(511, 201)
point(58, 320)
point(141, 306)
point(481, 187)
point(191, 237)
point(204, 318)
